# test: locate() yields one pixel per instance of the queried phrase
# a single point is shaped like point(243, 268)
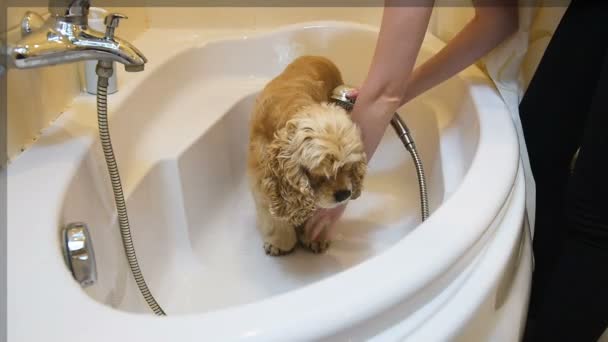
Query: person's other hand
point(323, 223)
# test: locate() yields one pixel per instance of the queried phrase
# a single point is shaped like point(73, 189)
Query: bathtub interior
point(191, 213)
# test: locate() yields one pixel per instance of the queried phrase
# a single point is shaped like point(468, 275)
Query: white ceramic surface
point(180, 132)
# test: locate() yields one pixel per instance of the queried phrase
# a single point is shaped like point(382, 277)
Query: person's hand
point(323, 221)
point(352, 94)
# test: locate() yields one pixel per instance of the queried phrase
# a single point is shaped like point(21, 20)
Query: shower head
point(339, 96)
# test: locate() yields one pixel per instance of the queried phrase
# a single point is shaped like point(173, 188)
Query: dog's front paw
point(275, 251)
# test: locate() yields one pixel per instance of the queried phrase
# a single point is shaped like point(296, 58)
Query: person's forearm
point(401, 33)
point(490, 27)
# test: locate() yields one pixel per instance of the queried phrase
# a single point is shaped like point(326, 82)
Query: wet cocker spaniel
point(304, 153)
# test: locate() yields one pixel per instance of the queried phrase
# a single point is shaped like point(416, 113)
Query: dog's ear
point(358, 172)
point(284, 180)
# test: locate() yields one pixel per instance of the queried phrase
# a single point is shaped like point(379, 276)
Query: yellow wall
point(36, 97)
point(256, 17)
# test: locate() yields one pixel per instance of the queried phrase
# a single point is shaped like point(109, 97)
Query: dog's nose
point(342, 195)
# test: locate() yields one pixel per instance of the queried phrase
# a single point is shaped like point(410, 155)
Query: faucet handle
point(30, 22)
point(111, 21)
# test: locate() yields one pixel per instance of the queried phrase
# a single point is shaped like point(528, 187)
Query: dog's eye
point(317, 181)
point(321, 181)
point(305, 171)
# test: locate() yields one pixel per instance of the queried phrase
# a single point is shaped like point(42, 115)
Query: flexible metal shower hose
point(119, 198)
point(404, 134)
point(424, 201)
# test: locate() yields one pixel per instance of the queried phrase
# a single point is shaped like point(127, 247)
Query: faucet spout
point(61, 41)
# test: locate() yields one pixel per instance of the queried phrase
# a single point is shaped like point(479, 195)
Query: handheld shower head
point(339, 96)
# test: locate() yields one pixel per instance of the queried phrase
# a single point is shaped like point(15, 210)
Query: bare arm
point(390, 81)
point(401, 33)
point(490, 27)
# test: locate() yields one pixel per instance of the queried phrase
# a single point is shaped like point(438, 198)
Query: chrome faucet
point(65, 37)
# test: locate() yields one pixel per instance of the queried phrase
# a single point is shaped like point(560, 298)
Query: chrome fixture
point(79, 254)
point(65, 37)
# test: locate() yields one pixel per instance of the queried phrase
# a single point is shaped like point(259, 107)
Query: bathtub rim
point(249, 320)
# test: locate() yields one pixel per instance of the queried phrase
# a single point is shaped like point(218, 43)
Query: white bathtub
point(180, 132)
